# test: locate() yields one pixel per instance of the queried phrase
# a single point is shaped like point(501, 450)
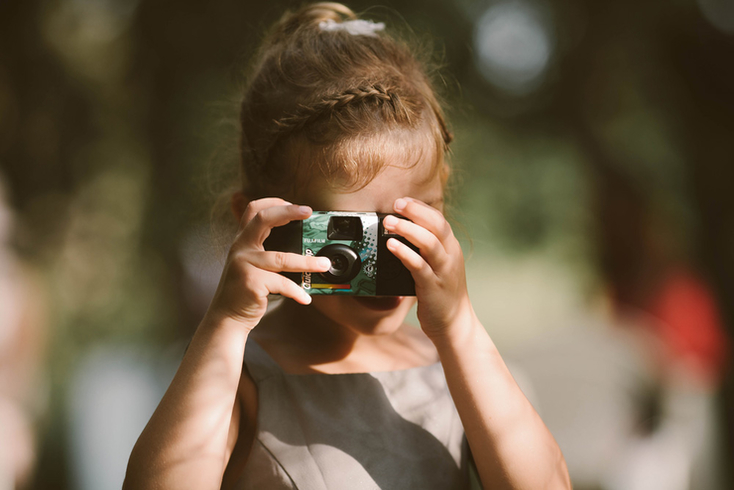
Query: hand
point(251, 273)
point(438, 271)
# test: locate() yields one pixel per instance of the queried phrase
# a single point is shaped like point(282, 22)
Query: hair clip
point(357, 27)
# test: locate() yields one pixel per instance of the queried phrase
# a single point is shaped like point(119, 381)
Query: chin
point(381, 315)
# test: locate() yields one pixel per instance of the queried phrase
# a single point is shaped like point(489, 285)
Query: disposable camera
point(361, 264)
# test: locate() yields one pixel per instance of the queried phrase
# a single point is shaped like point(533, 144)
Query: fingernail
point(392, 244)
point(390, 221)
point(307, 298)
point(400, 204)
point(304, 209)
point(324, 262)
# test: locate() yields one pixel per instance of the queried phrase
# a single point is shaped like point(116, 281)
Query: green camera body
point(355, 242)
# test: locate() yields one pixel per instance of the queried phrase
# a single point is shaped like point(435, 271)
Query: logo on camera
point(307, 275)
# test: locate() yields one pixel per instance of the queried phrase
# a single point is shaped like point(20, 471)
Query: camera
point(355, 242)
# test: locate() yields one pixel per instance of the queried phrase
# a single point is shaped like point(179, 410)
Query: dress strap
point(258, 362)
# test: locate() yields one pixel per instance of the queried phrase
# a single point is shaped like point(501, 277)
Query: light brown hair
point(334, 105)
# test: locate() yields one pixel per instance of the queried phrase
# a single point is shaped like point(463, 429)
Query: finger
point(429, 245)
point(258, 228)
point(418, 267)
point(426, 216)
point(283, 286)
point(289, 262)
point(259, 204)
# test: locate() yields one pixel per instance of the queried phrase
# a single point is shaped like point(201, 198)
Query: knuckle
point(433, 241)
point(252, 284)
point(418, 267)
point(250, 211)
point(420, 264)
point(249, 284)
point(240, 257)
point(234, 256)
point(259, 217)
point(445, 229)
point(280, 260)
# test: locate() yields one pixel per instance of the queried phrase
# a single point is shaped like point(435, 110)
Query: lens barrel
point(345, 263)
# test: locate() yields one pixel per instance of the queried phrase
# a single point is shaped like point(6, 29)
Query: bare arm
point(187, 443)
point(511, 445)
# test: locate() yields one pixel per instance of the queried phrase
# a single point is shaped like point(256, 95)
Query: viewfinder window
point(344, 228)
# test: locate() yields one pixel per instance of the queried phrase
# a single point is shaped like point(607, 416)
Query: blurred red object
point(690, 324)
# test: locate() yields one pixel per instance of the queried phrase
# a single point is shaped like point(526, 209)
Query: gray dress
point(387, 430)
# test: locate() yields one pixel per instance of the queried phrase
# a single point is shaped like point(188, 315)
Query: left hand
point(438, 271)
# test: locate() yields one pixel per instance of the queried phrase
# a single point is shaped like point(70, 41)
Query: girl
point(337, 391)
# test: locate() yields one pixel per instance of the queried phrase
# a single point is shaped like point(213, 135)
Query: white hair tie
point(357, 27)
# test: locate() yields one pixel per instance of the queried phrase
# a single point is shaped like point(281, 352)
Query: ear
point(239, 204)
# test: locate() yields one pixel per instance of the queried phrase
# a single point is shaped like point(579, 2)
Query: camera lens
point(338, 265)
point(345, 263)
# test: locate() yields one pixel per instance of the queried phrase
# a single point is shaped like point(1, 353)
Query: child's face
point(370, 315)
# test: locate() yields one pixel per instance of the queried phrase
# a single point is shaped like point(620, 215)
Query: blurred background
point(593, 190)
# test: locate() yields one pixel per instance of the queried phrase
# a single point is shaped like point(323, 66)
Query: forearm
point(184, 443)
point(511, 446)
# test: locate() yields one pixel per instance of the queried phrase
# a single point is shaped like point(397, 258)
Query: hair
point(326, 103)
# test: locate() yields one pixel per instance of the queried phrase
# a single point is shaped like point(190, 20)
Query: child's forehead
point(420, 181)
point(366, 171)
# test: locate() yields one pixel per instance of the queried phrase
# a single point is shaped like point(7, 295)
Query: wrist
point(221, 335)
point(220, 320)
point(459, 332)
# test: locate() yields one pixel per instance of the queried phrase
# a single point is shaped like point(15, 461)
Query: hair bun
point(313, 15)
point(326, 95)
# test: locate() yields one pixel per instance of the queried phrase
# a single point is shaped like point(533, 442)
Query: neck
point(307, 330)
point(302, 340)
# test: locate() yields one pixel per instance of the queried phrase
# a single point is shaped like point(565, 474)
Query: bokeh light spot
point(513, 44)
point(719, 13)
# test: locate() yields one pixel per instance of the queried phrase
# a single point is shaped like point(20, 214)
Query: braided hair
point(334, 104)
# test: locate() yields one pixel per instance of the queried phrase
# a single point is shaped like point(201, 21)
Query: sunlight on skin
point(505, 433)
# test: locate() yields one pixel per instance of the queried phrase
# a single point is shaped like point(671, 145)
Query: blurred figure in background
point(651, 283)
point(654, 289)
point(22, 340)
point(631, 396)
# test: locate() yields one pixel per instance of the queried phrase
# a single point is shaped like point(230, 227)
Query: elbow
point(561, 479)
point(133, 474)
point(129, 481)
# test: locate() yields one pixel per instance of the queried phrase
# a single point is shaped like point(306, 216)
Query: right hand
point(251, 273)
